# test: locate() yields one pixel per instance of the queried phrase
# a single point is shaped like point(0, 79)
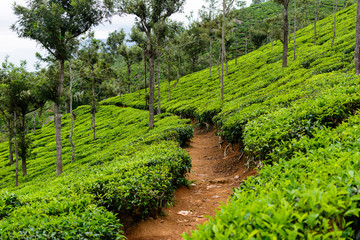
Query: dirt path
point(213, 177)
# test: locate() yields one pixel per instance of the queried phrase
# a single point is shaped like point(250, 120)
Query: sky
point(24, 49)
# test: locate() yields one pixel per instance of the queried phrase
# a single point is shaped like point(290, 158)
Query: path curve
point(213, 175)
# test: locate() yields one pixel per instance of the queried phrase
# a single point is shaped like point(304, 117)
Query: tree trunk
point(23, 145)
point(128, 76)
point(93, 110)
point(272, 45)
point(34, 122)
point(285, 33)
point(227, 66)
point(316, 15)
point(151, 80)
point(169, 80)
point(223, 51)
point(246, 45)
point(218, 66)
point(357, 41)
point(294, 29)
point(289, 20)
point(335, 11)
point(159, 75)
point(178, 70)
point(145, 72)
point(120, 81)
point(16, 152)
point(11, 158)
point(210, 55)
point(139, 76)
point(71, 115)
point(59, 164)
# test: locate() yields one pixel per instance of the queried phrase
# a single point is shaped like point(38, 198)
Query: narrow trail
point(213, 177)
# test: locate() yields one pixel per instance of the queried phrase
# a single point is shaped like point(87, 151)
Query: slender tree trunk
point(357, 40)
point(16, 152)
point(178, 70)
point(120, 80)
point(128, 76)
point(335, 11)
point(93, 110)
point(294, 29)
point(145, 72)
point(316, 16)
point(139, 76)
point(210, 56)
point(151, 80)
point(169, 80)
point(71, 114)
point(227, 65)
point(246, 45)
point(59, 164)
point(159, 75)
point(223, 51)
point(218, 66)
point(289, 20)
point(34, 122)
point(23, 146)
point(272, 45)
point(11, 158)
point(285, 33)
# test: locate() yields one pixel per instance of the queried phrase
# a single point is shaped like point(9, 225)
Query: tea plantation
point(300, 123)
point(128, 173)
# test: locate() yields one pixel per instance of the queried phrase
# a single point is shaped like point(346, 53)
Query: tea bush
point(129, 172)
point(258, 86)
point(314, 194)
point(302, 121)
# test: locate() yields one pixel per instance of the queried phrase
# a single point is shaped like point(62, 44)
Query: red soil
point(213, 176)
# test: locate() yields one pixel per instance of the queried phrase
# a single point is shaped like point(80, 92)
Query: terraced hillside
point(300, 123)
point(128, 173)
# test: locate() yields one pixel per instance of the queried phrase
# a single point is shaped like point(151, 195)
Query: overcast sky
point(25, 49)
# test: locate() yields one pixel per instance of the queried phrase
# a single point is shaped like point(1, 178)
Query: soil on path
point(213, 176)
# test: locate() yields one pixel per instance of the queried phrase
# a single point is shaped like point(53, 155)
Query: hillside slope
point(127, 173)
point(301, 123)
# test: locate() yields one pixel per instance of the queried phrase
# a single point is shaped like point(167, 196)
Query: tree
point(357, 39)
point(335, 11)
point(55, 25)
point(316, 14)
point(130, 55)
point(207, 14)
point(16, 153)
point(93, 69)
point(114, 43)
point(140, 39)
point(226, 7)
point(6, 113)
point(173, 29)
point(19, 97)
point(71, 114)
point(149, 13)
point(193, 44)
point(285, 4)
